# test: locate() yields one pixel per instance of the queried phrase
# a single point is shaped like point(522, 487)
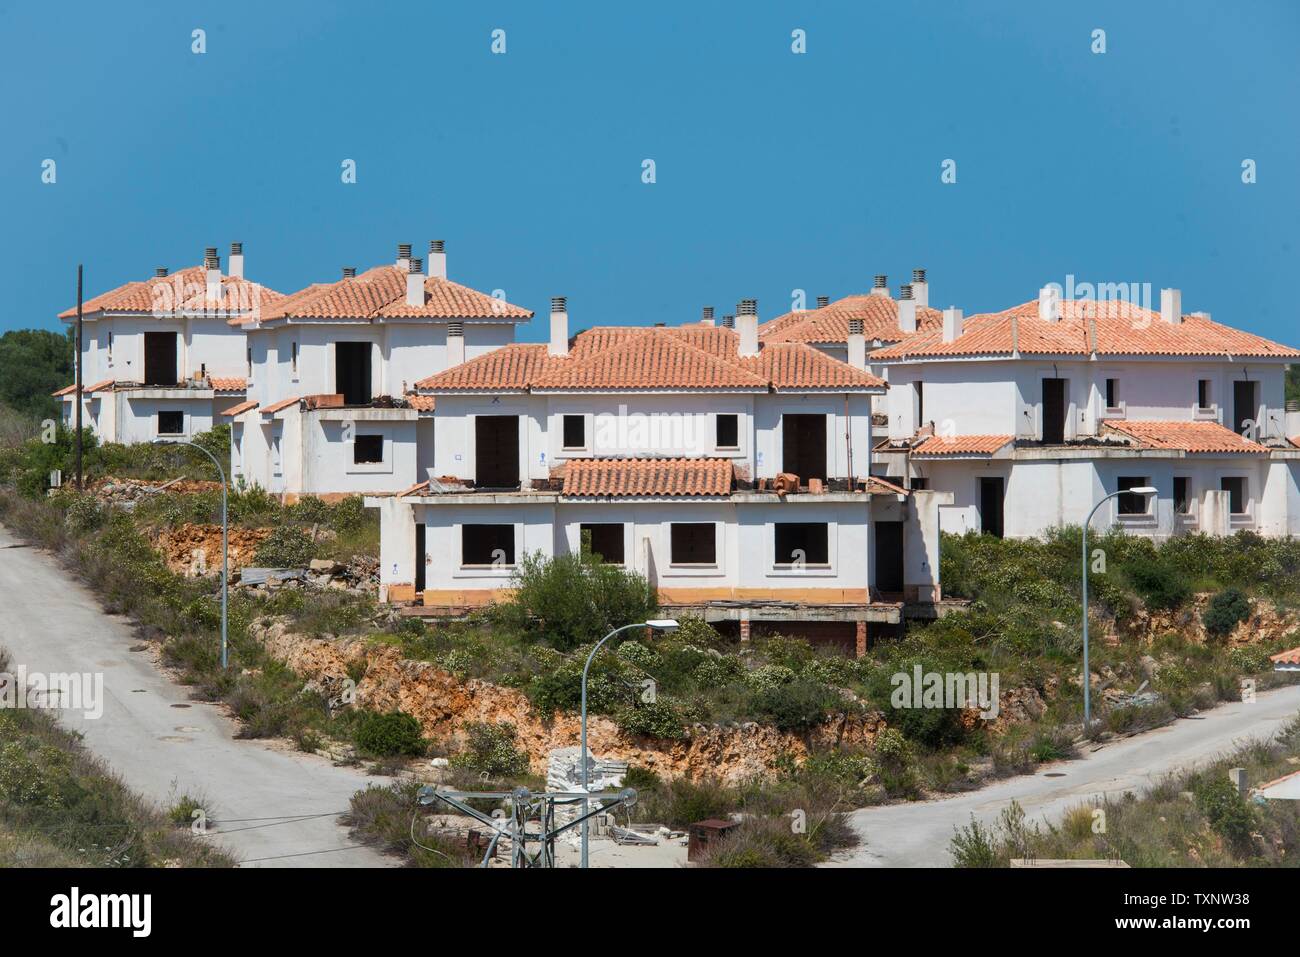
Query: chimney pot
point(415, 266)
point(823, 302)
point(952, 323)
point(209, 252)
point(212, 268)
point(160, 272)
point(236, 249)
point(559, 345)
point(349, 272)
point(906, 309)
point(1049, 304)
point(455, 343)
point(237, 260)
point(415, 283)
point(857, 344)
point(403, 250)
point(728, 322)
point(905, 291)
point(920, 288)
point(1171, 306)
point(708, 314)
point(881, 286)
point(437, 259)
point(918, 275)
point(747, 327)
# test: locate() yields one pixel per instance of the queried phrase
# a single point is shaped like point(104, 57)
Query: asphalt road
point(918, 834)
point(165, 746)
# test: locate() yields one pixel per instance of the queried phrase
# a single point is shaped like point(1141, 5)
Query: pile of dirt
point(116, 491)
point(195, 550)
point(444, 704)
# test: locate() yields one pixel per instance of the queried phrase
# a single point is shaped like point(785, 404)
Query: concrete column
point(744, 626)
point(861, 643)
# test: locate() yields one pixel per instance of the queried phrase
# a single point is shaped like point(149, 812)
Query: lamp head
point(663, 624)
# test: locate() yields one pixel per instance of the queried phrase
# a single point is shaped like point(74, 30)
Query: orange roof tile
point(878, 486)
point(97, 387)
point(240, 408)
point(381, 293)
point(1291, 657)
point(1112, 328)
point(421, 403)
point(1195, 437)
point(282, 404)
point(647, 477)
point(183, 291)
point(830, 323)
point(940, 445)
point(227, 383)
point(616, 358)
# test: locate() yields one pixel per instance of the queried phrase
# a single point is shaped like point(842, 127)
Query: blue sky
point(775, 171)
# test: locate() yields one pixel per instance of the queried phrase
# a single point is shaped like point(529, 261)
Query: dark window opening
point(1245, 404)
point(920, 483)
point(352, 372)
point(1131, 504)
point(421, 557)
point(920, 402)
point(575, 431)
point(889, 557)
point(1182, 496)
point(1203, 393)
point(367, 449)
point(496, 451)
point(991, 506)
point(604, 540)
point(803, 439)
point(728, 431)
point(487, 544)
point(160, 358)
point(1236, 489)
point(1053, 411)
point(293, 357)
point(802, 543)
point(171, 423)
point(1112, 393)
point(694, 543)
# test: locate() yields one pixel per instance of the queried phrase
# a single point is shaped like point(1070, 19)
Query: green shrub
point(286, 547)
point(655, 719)
point(490, 749)
point(972, 846)
point(390, 733)
point(796, 706)
point(1161, 586)
point(1226, 810)
point(1225, 611)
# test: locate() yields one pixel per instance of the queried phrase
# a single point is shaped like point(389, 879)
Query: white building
point(157, 356)
point(664, 446)
point(1030, 416)
point(330, 409)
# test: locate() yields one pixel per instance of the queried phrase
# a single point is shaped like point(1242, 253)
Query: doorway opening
point(420, 557)
point(352, 372)
point(803, 441)
point(1245, 406)
point(889, 557)
point(1053, 411)
point(160, 358)
point(496, 451)
point(991, 499)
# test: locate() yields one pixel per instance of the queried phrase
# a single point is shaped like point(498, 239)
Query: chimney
point(728, 322)
point(952, 323)
point(437, 259)
point(707, 317)
point(559, 326)
point(349, 272)
point(920, 289)
point(906, 309)
point(823, 302)
point(415, 283)
point(160, 272)
point(857, 345)
point(1049, 304)
point(403, 256)
point(236, 260)
point(1171, 306)
point(747, 326)
point(212, 266)
point(455, 343)
point(881, 287)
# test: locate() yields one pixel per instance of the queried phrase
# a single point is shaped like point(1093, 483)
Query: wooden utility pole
point(80, 397)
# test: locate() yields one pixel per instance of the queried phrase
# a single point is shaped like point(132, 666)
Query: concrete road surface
point(162, 744)
point(918, 834)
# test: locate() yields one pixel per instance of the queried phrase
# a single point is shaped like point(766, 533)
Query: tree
point(34, 363)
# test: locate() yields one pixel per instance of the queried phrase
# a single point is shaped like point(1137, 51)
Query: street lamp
point(658, 624)
point(225, 543)
point(1146, 491)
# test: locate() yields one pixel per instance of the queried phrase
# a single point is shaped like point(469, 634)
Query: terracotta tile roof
point(381, 293)
point(421, 403)
point(1195, 437)
point(87, 389)
point(878, 486)
point(240, 408)
point(939, 445)
point(1291, 657)
point(282, 404)
point(1112, 328)
point(412, 489)
point(615, 358)
point(227, 383)
point(830, 323)
point(647, 477)
point(183, 291)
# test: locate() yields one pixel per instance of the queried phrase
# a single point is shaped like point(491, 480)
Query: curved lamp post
point(225, 542)
point(1146, 491)
point(658, 624)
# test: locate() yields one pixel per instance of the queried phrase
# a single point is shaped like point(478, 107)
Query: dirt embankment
point(194, 550)
point(444, 704)
point(1264, 625)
